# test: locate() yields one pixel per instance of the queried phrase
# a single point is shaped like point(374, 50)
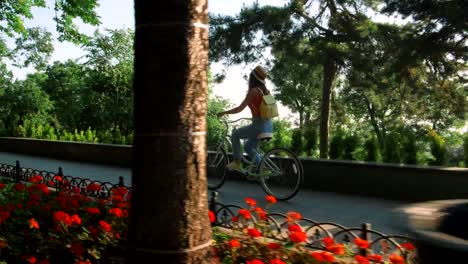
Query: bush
point(350, 144)
point(465, 149)
point(409, 149)
point(296, 141)
point(337, 145)
point(311, 141)
point(392, 147)
point(438, 149)
point(371, 147)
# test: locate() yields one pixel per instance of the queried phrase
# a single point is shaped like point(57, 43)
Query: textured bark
point(329, 72)
point(169, 203)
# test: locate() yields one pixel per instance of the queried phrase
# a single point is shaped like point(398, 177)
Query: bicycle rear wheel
point(281, 173)
point(216, 162)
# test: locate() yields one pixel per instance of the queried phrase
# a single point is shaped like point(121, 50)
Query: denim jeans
point(250, 133)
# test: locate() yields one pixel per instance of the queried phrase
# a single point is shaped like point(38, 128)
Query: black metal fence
point(379, 243)
point(81, 185)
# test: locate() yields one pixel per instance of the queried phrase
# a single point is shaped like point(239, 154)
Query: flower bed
point(43, 225)
point(254, 237)
point(49, 220)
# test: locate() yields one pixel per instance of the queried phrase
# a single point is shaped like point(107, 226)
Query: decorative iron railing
point(81, 185)
point(228, 216)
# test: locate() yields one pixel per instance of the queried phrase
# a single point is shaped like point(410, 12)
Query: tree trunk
point(329, 72)
point(169, 217)
point(378, 133)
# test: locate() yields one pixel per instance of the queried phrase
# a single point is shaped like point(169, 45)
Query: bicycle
point(280, 172)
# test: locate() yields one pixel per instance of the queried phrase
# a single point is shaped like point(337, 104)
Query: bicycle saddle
point(265, 136)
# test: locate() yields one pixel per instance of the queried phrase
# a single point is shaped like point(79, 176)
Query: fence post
point(17, 171)
point(366, 236)
point(60, 173)
point(121, 181)
point(212, 205)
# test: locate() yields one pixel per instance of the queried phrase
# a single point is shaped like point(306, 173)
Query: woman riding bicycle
point(258, 126)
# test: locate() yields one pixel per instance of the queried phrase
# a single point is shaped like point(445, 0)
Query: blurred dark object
point(440, 229)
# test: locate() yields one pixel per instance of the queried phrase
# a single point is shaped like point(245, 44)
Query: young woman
point(258, 126)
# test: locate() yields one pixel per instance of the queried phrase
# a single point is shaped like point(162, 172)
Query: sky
point(117, 14)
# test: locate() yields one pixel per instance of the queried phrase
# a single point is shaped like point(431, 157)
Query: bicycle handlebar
point(227, 122)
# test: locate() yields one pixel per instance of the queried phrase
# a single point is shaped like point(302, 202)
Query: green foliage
point(296, 140)
point(465, 149)
point(371, 147)
point(409, 148)
point(21, 101)
point(34, 47)
point(438, 149)
point(216, 127)
point(350, 145)
point(311, 140)
point(337, 145)
point(282, 135)
point(392, 148)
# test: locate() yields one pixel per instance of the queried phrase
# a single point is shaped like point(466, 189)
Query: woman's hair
point(254, 82)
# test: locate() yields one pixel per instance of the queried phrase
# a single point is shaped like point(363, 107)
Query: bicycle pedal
point(251, 177)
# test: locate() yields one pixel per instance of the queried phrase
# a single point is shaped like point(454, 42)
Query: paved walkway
point(350, 211)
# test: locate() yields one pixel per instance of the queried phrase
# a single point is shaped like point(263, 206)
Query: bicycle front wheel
point(216, 162)
point(281, 173)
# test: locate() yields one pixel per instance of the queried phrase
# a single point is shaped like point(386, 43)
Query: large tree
point(169, 217)
point(297, 83)
point(329, 27)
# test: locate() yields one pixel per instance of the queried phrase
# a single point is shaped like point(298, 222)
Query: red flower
point(253, 232)
point(250, 202)
point(93, 210)
point(33, 223)
point(77, 249)
point(328, 241)
point(61, 216)
point(245, 213)
point(212, 217)
point(327, 256)
point(58, 178)
point(294, 228)
point(337, 249)
point(277, 261)
point(2, 186)
point(29, 259)
point(375, 258)
point(361, 243)
point(408, 246)
point(255, 261)
point(317, 255)
point(121, 191)
point(235, 219)
point(117, 212)
point(234, 243)
point(294, 216)
point(36, 179)
point(361, 260)
point(76, 219)
point(396, 259)
point(273, 246)
point(298, 237)
point(270, 199)
point(93, 187)
point(19, 187)
point(106, 226)
point(261, 214)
